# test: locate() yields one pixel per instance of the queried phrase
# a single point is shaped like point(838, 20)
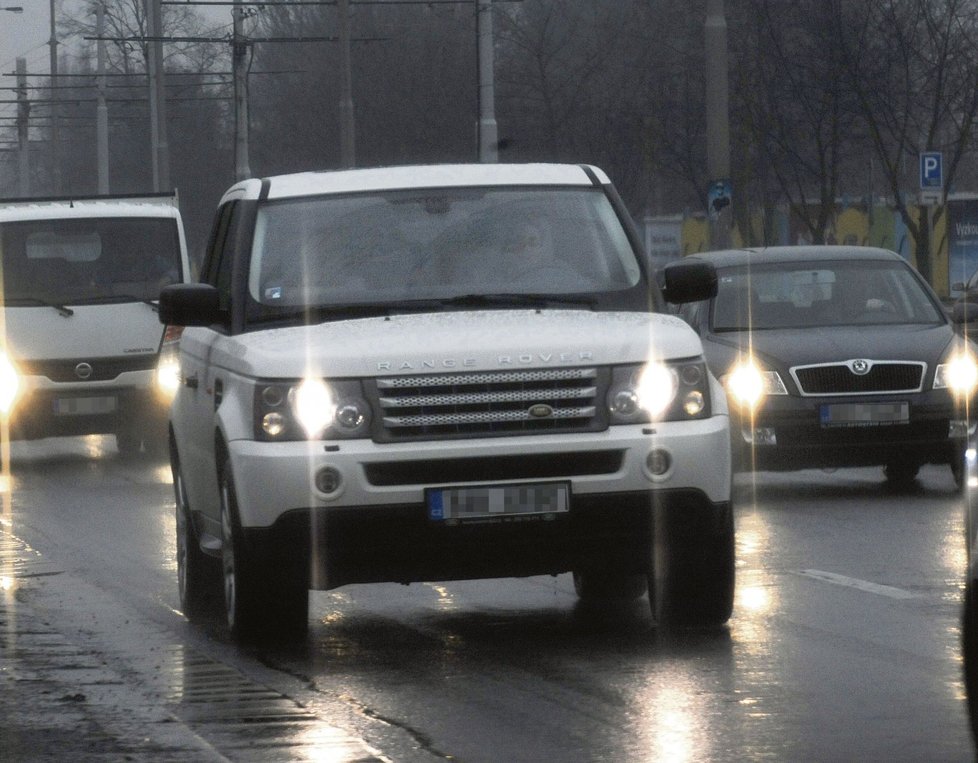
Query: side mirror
point(957, 286)
point(190, 304)
point(964, 312)
point(691, 281)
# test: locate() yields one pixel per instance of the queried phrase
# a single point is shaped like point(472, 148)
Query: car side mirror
point(190, 304)
point(692, 281)
point(964, 312)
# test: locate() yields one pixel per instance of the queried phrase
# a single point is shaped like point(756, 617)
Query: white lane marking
point(860, 585)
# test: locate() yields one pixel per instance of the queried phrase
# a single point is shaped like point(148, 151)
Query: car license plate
point(504, 503)
point(864, 414)
point(84, 406)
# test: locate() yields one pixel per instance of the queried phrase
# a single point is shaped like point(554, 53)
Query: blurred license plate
point(503, 502)
point(84, 406)
point(864, 414)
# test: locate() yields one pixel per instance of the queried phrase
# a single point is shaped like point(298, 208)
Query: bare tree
point(913, 64)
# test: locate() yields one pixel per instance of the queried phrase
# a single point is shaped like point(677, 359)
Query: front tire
point(261, 604)
point(692, 578)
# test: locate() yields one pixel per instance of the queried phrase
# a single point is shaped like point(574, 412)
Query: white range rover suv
point(446, 372)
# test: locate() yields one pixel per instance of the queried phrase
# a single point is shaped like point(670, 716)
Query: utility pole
point(239, 53)
point(23, 114)
point(157, 98)
point(718, 124)
point(55, 131)
point(486, 127)
point(347, 125)
point(101, 111)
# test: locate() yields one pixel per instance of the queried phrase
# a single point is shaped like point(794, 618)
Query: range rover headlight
point(958, 373)
point(659, 391)
point(747, 383)
point(9, 383)
point(313, 405)
point(310, 409)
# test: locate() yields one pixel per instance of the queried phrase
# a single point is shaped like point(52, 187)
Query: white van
point(80, 337)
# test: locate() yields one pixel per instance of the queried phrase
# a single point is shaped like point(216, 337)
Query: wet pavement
point(63, 697)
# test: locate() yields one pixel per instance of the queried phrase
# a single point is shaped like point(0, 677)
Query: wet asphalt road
point(843, 645)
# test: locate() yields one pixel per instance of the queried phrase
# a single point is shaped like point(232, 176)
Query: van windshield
point(74, 261)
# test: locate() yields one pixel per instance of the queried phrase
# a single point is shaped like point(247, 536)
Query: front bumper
point(786, 434)
point(274, 478)
point(332, 547)
point(49, 409)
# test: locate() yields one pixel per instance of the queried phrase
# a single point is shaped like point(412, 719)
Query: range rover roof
point(416, 176)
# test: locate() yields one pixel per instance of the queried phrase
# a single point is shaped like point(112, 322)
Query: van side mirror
point(190, 304)
point(688, 281)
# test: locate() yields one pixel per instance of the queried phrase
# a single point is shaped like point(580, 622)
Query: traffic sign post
point(931, 177)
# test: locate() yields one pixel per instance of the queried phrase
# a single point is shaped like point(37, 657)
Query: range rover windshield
point(87, 261)
point(370, 252)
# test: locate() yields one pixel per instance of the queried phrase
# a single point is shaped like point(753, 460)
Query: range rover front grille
point(490, 403)
point(840, 379)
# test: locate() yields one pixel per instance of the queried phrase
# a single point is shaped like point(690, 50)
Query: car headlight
point(9, 383)
point(747, 383)
point(958, 373)
point(659, 391)
point(310, 409)
point(168, 364)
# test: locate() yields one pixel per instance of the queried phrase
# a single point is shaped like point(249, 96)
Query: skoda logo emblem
point(541, 411)
point(83, 370)
point(860, 367)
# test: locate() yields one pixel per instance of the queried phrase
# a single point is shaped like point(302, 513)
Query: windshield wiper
point(518, 299)
point(67, 312)
point(120, 298)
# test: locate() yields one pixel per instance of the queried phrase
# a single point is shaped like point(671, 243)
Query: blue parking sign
point(931, 170)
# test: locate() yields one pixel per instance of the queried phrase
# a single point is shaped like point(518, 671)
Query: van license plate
point(498, 502)
point(84, 406)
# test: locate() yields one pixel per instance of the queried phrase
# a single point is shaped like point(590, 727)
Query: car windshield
point(399, 247)
point(78, 261)
point(821, 294)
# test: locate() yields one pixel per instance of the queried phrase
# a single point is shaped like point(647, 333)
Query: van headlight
point(958, 373)
point(310, 409)
point(747, 384)
point(659, 391)
point(9, 383)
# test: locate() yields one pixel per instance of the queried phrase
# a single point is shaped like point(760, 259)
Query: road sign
point(718, 197)
point(931, 171)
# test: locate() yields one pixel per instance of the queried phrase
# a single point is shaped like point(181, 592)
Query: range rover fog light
point(658, 462)
point(693, 403)
point(328, 480)
point(273, 424)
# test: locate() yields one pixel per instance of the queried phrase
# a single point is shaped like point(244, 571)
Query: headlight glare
point(656, 388)
point(959, 374)
point(9, 383)
point(313, 406)
point(659, 391)
point(748, 384)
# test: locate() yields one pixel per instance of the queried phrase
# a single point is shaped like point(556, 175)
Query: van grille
point(839, 379)
point(103, 369)
point(491, 403)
